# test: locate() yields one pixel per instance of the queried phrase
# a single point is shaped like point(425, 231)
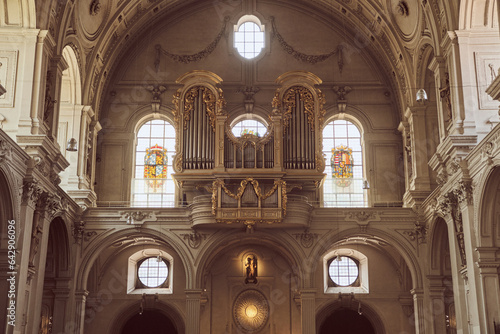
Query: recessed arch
point(228, 240)
point(132, 309)
point(351, 306)
point(489, 210)
point(105, 240)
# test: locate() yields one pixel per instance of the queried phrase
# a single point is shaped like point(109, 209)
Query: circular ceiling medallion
point(406, 15)
point(251, 311)
point(92, 16)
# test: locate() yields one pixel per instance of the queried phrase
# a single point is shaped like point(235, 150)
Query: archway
point(56, 279)
point(346, 321)
point(6, 216)
point(149, 322)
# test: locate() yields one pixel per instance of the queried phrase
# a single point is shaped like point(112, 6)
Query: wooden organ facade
point(248, 178)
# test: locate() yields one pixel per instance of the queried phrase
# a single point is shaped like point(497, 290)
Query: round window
point(153, 272)
point(249, 40)
point(343, 271)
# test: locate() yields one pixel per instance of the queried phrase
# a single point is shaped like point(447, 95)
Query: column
point(80, 300)
point(437, 304)
point(489, 286)
point(460, 283)
point(476, 302)
point(35, 305)
point(418, 306)
point(31, 194)
point(193, 304)
point(308, 310)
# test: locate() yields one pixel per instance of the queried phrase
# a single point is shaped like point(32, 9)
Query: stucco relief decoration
point(5, 151)
point(194, 239)
point(419, 233)
point(251, 311)
point(306, 238)
point(402, 8)
point(8, 72)
point(91, 17)
point(78, 231)
point(312, 59)
point(32, 192)
point(449, 204)
point(138, 217)
point(48, 106)
point(195, 56)
point(95, 7)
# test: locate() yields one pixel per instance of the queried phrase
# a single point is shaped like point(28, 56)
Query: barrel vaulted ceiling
point(394, 33)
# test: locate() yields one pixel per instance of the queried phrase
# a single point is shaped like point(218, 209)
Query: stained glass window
point(153, 185)
point(343, 186)
point(155, 166)
point(342, 164)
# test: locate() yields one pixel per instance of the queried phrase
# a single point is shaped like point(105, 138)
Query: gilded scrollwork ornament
point(289, 104)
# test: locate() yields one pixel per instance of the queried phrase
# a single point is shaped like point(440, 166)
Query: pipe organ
point(210, 159)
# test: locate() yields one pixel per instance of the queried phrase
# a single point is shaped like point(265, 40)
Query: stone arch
point(226, 241)
point(132, 308)
point(70, 111)
point(349, 303)
point(106, 239)
point(489, 210)
point(6, 216)
point(324, 244)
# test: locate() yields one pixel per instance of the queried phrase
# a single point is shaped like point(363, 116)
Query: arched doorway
point(149, 322)
point(346, 321)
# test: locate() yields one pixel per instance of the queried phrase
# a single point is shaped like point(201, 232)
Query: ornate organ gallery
point(249, 178)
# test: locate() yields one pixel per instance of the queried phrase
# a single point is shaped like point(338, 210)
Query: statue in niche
point(444, 93)
point(251, 269)
point(49, 102)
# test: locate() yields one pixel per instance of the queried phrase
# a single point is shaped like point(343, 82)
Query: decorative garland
point(192, 57)
point(313, 59)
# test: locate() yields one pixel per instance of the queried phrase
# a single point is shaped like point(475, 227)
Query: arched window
point(249, 126)
point(342, 148)
point(153, 185)
point(249, 37)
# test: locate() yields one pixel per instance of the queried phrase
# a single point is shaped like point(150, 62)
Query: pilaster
point(308, 310)
point(193, 305)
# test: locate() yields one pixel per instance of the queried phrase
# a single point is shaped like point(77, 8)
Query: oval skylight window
point(249, 40)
